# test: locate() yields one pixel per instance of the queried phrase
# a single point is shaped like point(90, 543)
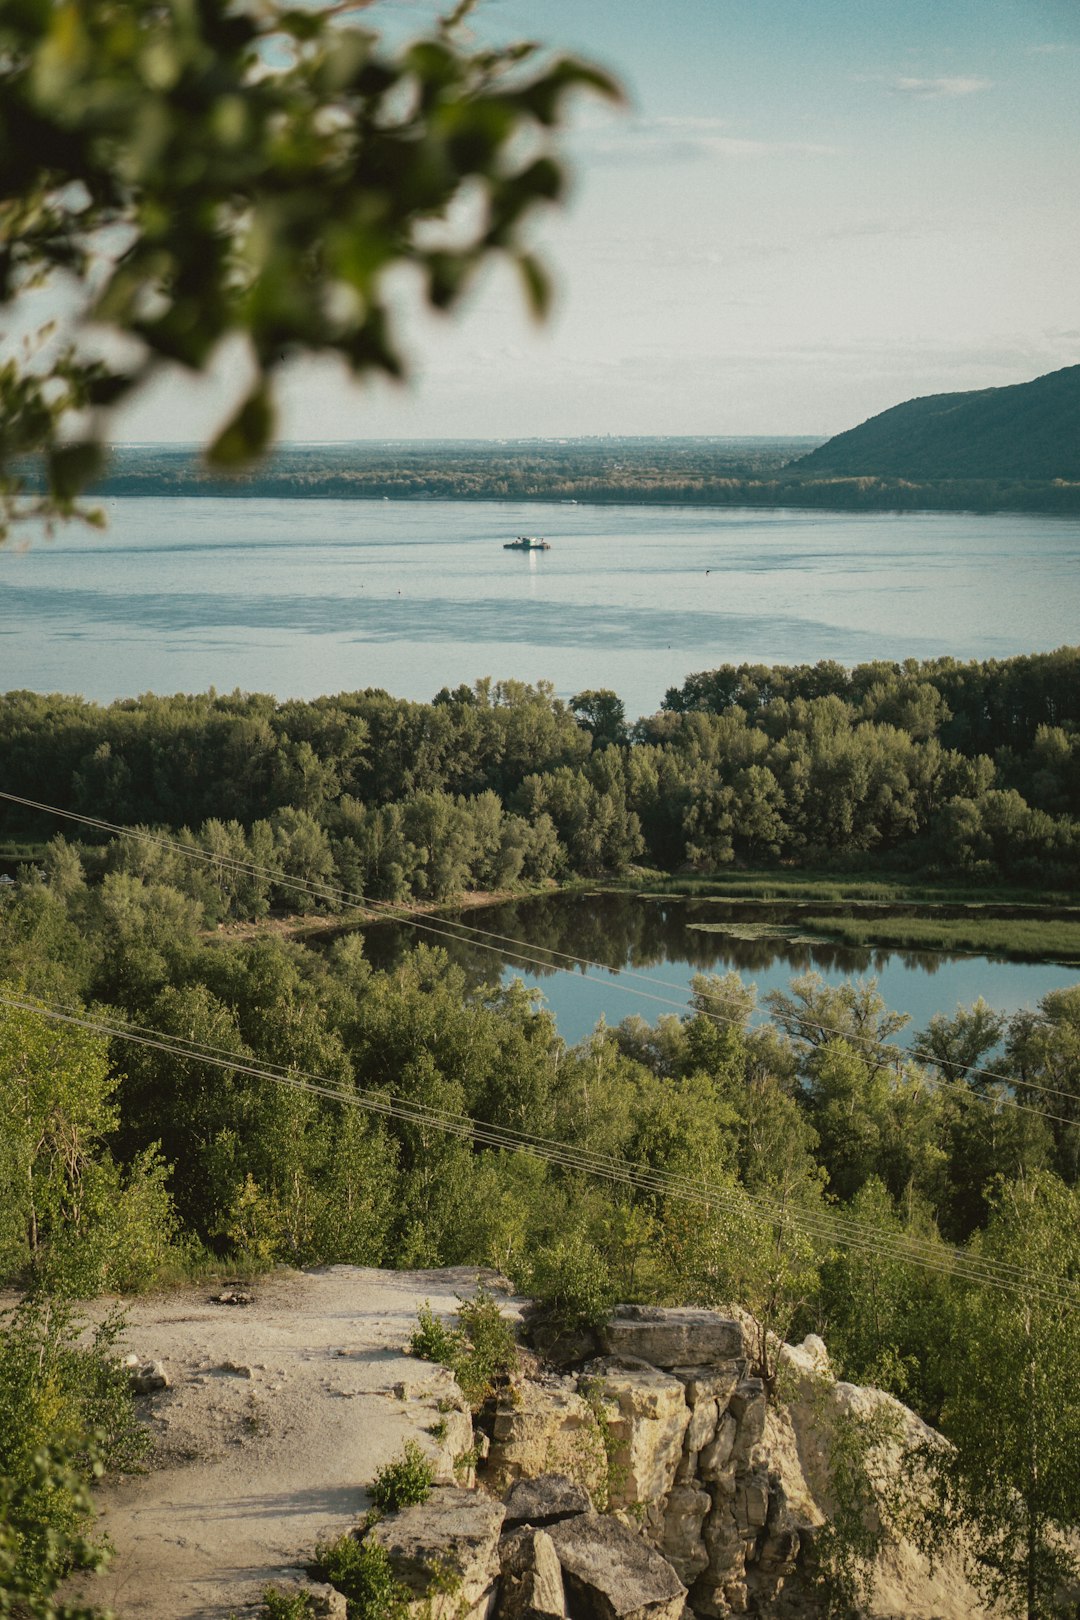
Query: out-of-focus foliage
point(207, 171)
point(65, 1418)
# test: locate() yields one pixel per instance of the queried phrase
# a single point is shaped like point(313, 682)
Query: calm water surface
point(645, 953)
point(305, 597)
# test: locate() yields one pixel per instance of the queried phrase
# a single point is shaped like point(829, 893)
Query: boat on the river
point(527, 542)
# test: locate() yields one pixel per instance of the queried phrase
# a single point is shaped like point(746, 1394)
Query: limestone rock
point(611, 1574)
point(144, 1377)
point(532, 1583)
point(682, 1543)
point(711, 1383)
point(647, 1428)
point(723, 1543)
point(715, 1457)
point(702, 1427)
point(687, 1337)
point(451, 1542)
point(545, 1500)
point(545, 1426)
point(748, 1407)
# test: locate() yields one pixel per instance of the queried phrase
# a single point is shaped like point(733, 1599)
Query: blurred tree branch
point(197, 169)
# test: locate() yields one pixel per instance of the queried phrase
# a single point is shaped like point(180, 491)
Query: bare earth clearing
point(278, 1416)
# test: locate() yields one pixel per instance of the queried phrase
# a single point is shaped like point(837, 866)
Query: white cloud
point(932, 89)
point(673, 140)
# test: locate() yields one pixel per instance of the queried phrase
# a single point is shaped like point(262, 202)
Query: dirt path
point(278, 1416)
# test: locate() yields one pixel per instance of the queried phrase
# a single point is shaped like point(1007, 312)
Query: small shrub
point(361, 1570)
point(465, 1462)
point(431, 1341)
point(480, 1353)
point(403, 1482)
point(572, 1282)
point(490, 1354)
point(278, 1605)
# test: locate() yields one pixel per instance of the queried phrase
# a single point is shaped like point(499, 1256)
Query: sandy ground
point(278, 1416)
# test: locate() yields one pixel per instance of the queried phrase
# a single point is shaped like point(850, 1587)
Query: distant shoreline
point(718, 473)
point(841, 495)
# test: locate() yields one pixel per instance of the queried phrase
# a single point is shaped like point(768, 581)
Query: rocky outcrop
point(701, 1469)
point(714, 1491)
point(679, 1459)
point(546, 1426)
point(532, 1582)
point(612, 1574)
point(445, 1552)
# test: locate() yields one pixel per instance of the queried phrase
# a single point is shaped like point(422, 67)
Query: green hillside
point(1029, 431)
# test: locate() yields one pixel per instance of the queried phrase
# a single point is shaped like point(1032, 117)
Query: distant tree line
point(682, 472)
point(933, 767)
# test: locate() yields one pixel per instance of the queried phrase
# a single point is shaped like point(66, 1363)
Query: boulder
point(611, 1574)
point(545, 1426)
point(545, 1500)
point(532, 1583)
point(687, 1337)
point(649, 1419)
point(445, 1551)
point(144, 1377)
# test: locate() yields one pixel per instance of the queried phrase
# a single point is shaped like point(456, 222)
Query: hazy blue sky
point(811, 210)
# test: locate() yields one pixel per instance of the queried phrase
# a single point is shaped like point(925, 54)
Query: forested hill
point(1029, 431)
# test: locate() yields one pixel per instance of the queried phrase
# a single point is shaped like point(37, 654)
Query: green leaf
point(247, 434)
point(72, 467)
point(537, 284)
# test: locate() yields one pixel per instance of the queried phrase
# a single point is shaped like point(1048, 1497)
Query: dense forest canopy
point(938, 766)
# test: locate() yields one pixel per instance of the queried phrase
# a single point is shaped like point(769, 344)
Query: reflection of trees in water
point(621, 931)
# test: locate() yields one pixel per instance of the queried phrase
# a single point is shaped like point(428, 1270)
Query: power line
point(508, 1136)
point(823, 1226)
point(441, 929)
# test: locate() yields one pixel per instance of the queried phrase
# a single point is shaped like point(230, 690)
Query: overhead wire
point(442, 927)
point(822, 1226)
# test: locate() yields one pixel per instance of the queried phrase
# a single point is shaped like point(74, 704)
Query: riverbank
point(1008, 923)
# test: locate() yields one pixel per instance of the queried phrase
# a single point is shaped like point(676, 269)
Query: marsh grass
point(1024, 939)
point(878, 887)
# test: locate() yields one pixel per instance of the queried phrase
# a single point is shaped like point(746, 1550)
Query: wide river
point(305, 597)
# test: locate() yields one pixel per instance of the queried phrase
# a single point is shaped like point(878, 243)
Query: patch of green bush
point(278, 1605)
point(403, 1482)
point(361, 1570)
point(66, 1416)
point(572, 1283)
point(481, 1353)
